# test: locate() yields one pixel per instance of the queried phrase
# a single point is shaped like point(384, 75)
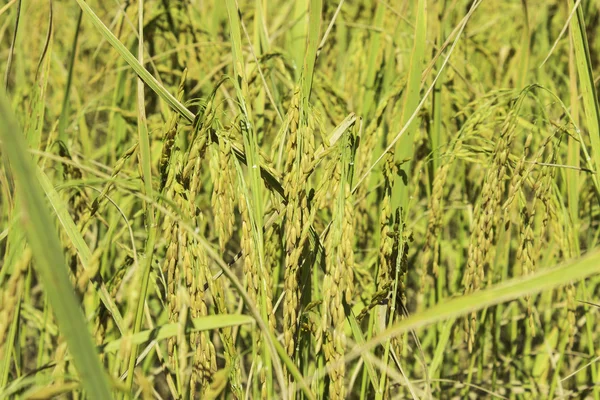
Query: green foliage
point(299, 200)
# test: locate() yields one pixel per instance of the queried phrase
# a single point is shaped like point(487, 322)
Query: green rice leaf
point(49, 259)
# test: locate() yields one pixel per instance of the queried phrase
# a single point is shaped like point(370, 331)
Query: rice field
point(268, 199)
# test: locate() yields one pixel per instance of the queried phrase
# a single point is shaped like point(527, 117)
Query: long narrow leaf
point(587, 85)
point(83, 251)
point(545, 279)
point(49, 259)
point(134, 63)
point(207, 323)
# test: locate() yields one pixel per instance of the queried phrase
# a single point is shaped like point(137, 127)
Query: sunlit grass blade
point(64, 113)
point(544, 279)
point(297, 35)
point(372, 66)
point(49, 260)
point(83, 251)
point(586, 82)
point(404, 151)
point(135, 64)
point(404, 148)
point(314, 29)
point(441, 347)
point(12, 45)
point(359, 339)
point(207, 323)
point(253, 192)
point(525, 49)
point(145, 161)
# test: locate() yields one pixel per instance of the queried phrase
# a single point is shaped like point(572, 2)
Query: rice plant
point(299, 200)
